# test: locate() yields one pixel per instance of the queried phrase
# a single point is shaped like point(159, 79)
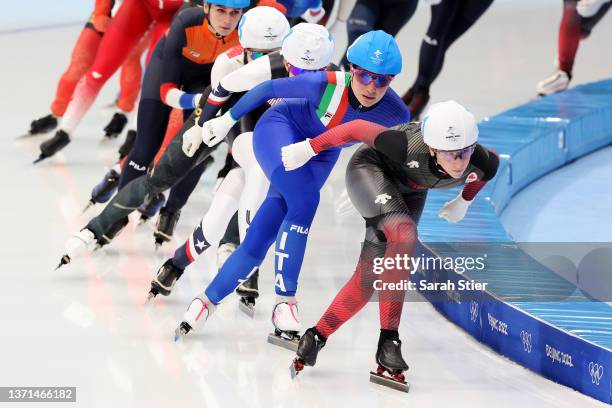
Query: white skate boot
point(286, 323)
point(196, 315)
point(557, 82)
point(81, 242)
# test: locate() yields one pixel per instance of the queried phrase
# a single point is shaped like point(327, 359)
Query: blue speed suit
point(325, 100)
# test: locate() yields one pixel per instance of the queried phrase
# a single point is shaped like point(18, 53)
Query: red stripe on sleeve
point(354, 131)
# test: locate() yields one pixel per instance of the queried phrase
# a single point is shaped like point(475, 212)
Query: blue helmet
point(377, 52)
point(230, 3)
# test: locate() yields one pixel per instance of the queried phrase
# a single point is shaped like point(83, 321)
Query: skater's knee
point(398, 228)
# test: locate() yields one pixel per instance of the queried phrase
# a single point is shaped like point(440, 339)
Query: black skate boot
point(43, 125)
point(391, 364)
point(164, 229)
point(248, 292)
point(112, 232)
point(49, 147)
point(308, 348)
point(130, 139)
point(166, 277)
point(150, 207)
point(416, 99)
point(115, 126)
point(104, 190)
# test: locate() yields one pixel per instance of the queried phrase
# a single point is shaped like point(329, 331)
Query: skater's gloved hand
point(455, 209)
point(192, 139)
point(313, 15)
point(297, 154)
point(588, 8)
point(100, 22)
point(215, 130)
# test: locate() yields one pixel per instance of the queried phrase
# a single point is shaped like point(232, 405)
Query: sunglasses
point(462, 154)
point(366, 78)
point(295, 71)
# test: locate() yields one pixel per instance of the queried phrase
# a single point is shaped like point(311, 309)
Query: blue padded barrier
point(568, 341)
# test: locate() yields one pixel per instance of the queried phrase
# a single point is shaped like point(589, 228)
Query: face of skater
point(223, 20)
point(369, 88)
point(453, 163)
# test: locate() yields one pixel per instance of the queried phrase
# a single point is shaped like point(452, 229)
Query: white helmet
point(263, 28)
point(308, 46)
point(449, 126)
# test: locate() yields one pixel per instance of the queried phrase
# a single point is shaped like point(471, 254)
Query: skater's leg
point(394, 15)
point(365, 180)
point(569, 36)
point(362, 19)
point(153, 116)
point(358, 290)
point(256, 183)
point(122, 34)
point(214, 223)
point(301, 194)
point(83, 56)
point(468, 13)
point(249, 255)
point(173, 165)
point(431, 49)
point(587, 24)
point(131, 76)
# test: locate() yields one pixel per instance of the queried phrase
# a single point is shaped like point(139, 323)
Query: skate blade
point(88, 206)
point(27, 135)
point(150, 298)
point(389, 382)
point(284, 343)
point(64, 261)
point(247, 309)
point(293, 370)
point(39, 159)
point(179, 335)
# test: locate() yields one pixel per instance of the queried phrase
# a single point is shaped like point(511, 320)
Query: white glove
point(297, 154)
point(455, 209)
point(192, 139)
point(313, 15)
point(215, 130)
point(432, 2)
point(588, 8)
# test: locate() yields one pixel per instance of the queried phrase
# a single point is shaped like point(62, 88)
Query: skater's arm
point(351, 132)
point(306, 86)
point(170, 75)
point(240, 80)
point(488, 162)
